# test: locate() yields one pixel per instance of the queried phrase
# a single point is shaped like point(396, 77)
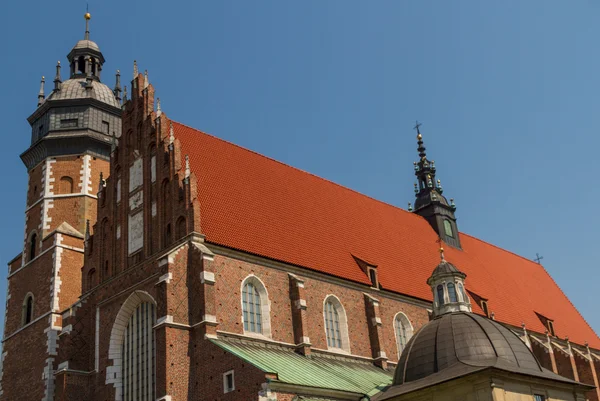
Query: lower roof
point(314, 371)
point(258, 205)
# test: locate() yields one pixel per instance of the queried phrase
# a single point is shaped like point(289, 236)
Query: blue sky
point(507, 93)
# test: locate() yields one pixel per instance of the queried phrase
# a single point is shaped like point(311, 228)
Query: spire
point(125, 94)
point(87, 17)
point(135, 69)
point(146, 79)
point(171, 136)
point(429, 202)
point(187, 166)
point(117, 90)
point(158, 110)
point(41, 95)
point(448, 287)
point(57, 78)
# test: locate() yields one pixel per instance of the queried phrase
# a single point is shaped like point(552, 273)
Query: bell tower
point(429, 202)
point(72, 132)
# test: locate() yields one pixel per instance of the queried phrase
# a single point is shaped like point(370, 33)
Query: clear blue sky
point(508, 93)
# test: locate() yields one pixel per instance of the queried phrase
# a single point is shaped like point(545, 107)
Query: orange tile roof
point(258, 205)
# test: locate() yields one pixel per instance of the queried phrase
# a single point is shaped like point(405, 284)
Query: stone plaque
point(136, 200)
point(136, 232)
point(136, 174)
point(153, 208)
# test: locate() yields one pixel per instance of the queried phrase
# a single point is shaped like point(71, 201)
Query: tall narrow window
point(181, 227)
point(91, 281)
point(32, 244)
point(551, 328)
point(448, 228)
point(251, 307)
point(440, 294)
point(404, 331)
point(452, 292)
point(332, 325)
point(28, 309)
point(462, 292)
point(138, 364)
point(484, 307)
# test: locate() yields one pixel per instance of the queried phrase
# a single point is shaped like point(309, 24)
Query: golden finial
point(419, 136)
point(87, 16)
point(442, 252)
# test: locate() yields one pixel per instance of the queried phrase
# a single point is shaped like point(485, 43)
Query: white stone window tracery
point(404, 331)
point(336, 324)
point(256, 307)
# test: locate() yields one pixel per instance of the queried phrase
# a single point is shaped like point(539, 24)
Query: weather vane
point(417, 125)
point(538, 258)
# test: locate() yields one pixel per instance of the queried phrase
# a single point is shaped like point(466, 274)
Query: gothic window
point(91, 279)
point(336, 324)
point(168, 235)
point(32, 246)
point(181, 227)
point(448, 228)
point(255, 307)
point(65, 185)
point(27, 309)
point(452, 293)
point(462, 292)
point(138, 360)
point(440, 294)
point(404, 331)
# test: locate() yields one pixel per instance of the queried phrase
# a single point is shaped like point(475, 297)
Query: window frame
point(442, 301)
point(401, 319)
point(226, 388)
point(24, 314)
point(342, 324)
point(265, 307)
point(453, 286)
point(448, 229)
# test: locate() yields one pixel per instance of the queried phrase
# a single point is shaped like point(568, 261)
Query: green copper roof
point(320, 371)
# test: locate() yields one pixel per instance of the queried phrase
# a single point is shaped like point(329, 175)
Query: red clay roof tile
point(258, 205)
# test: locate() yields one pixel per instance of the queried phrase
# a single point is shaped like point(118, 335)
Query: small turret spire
point(117, 90)
point(158, 110)
point(41, 95)
point(146, 79)
point(87, 17)
point(187, 166)
point(57, 78)
point(171, 135)
point(125, 94)
point(135, 69)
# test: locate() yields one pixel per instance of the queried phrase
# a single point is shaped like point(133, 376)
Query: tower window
point(65, 185)
point(228, 382)
point(440, 294)
point(69, 123)
point(28, 309)
point(448, 228)
point(452, 292)
point(539, 397)
point(551, 328)
point(105, 127)
point(32, 246)
point(462, 292)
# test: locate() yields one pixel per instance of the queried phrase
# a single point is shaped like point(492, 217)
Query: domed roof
point(86, 44)
point(462, 338)
point(75, 89)
point(445, 267)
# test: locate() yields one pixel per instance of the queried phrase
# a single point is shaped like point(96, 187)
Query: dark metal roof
point(459, 344)
point(461, 337)
point(76, 89)
point(445, 267)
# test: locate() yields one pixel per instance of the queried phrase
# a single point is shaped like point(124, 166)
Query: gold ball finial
point(441, 249)
point(87, 16)
point(419, 136)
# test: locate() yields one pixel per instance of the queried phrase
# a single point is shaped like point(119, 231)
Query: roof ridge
point(299, 169)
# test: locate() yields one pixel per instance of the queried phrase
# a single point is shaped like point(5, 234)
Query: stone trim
point(343, 322)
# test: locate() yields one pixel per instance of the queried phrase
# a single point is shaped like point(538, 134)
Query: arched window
point(336, 324)
point(91, 279)
point(255, 307)
point(404, 331)
point(440, 294)
point(181, 227)
point(32, 246)
point(462, 292)
point(27, 309)
point(452, 293)
point(65, 186)
point(448, 228)
point(137, 352)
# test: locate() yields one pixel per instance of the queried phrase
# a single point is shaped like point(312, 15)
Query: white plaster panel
point(153, 169)
point(136, 232)
point(136, 174)
point(136, 200)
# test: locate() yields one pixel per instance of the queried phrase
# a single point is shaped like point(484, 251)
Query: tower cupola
point(86, 59)
point(430, 201)
point(448, 287)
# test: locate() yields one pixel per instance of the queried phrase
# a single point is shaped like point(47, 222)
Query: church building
point(161, 263)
